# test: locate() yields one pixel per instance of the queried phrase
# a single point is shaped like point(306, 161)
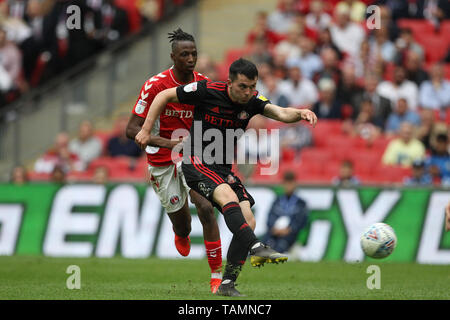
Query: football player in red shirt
point(166, 176)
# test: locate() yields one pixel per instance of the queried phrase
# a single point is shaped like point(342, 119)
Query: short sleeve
point(191, 93)
point(146, 95)
point(258, 104)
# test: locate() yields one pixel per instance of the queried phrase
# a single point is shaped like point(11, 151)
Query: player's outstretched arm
point(143, 137)
point(135, 125)
point(289, 115)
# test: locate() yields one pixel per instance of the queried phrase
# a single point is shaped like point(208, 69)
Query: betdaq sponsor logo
point(128, 220)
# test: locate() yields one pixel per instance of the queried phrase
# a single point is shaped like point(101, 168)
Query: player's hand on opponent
point(142, 139)
point(309, 116)
point(177, 145)
point(447, 217)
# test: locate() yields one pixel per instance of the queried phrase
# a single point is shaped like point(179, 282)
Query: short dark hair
point(442, 137)
point(244, 67)
point(179, 35)
point(289, 176)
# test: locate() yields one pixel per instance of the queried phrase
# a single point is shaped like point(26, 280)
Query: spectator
point(42, 42)
point(101, 175)
point(346, 177)
point(438, 163)
point(294, 137)
point(406, 43)
point(270, 89)
point(261, 31)
point(10, 64)
point(58, 156)
point(330, 62)
point(350, 91)
point(381, 46)
point(399, 87)
point(324, 41)
point(366, 61)
point(254, 146)
point(119, 144)
point(357, 9)
point(435, 93)
point(265, 71)
point(388, 21)
point(206, 66)
point(367, 124)
point(401, 114)
point(346, 35)
point(382, 105)
point(436, 11)
point(19, 175)
point(287, 217)
point(290, 46)
point(414, 70)
point(327, 107)
point(58, 175)
point(299, 90)
point(317, 18)
point(279, 66)
point(300, 24)
point(283, 17)
point(111, 22)
point(405, 149)
point(420, 177)
point(258, 52)
point(308, 61)
point(429, 128)
point(86, 146)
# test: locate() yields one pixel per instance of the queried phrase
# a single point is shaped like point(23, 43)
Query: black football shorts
point(204, 178)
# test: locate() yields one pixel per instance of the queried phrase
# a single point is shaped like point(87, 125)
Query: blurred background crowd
point(380, 88)
point(40, 39)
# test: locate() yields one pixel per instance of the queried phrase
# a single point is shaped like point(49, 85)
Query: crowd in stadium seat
point(364, 84)
point(39, 39)
point(382, 96)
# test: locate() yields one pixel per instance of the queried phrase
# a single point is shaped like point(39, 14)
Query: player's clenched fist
point(142, 139)
point(309, 116)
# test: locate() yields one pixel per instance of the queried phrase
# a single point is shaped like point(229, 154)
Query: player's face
point(184, 56)
point(242, 88)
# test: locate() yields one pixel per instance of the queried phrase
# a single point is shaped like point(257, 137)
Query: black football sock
point(235, 221)
point(236, 257)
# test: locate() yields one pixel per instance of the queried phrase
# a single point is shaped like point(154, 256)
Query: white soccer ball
point(378, 240)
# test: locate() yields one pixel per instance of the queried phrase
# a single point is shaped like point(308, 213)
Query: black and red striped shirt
point(213, 109)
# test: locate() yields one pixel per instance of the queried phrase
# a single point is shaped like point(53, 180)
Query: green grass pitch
point(185, 279)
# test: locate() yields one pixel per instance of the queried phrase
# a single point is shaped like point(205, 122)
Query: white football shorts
point(170, 186)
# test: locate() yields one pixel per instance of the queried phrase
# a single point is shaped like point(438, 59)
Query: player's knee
point(224, 194)
point(206, 213)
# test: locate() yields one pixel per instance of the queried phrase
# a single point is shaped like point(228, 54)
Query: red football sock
point(214, 254)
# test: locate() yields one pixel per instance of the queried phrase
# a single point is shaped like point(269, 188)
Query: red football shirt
point(174, 116)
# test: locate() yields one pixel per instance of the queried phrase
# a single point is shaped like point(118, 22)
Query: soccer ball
point(378, 240)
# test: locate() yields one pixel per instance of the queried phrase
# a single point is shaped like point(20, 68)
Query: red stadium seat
point(435, 46)
point(416, 25)
point(324, 129)
point(447, 70)
point(80, 176)
point(445, 29)
point(104, 136)
point(365, 162)
point(320, 156)
point(35, 176)
point(112, 163)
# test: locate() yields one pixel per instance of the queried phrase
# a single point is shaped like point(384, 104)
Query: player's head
point(184, 51)
point(242, 79)
point(289, 182)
